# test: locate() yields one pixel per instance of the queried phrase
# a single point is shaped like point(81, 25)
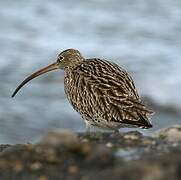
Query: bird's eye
point(60, 58)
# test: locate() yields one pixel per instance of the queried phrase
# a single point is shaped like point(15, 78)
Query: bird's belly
point(102, 123)
point(105, 124)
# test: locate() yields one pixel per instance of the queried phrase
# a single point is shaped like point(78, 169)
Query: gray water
point(143, 37)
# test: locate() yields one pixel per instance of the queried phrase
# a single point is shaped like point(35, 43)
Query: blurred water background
point(143, 37)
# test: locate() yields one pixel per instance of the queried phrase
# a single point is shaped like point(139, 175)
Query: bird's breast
point(72, 89)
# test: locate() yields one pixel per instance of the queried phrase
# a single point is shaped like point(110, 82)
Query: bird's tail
point(141, 116)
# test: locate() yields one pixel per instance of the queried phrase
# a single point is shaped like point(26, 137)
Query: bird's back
point(104, 94)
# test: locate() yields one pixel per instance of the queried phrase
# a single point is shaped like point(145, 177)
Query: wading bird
point(102, 92)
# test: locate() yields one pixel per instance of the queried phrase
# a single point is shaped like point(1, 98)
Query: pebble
point(171, 134)
point(36, 166)
point(131, 137)
point(109, 145)
point(73, 169)
point(43, 178)
point(18, 166)
point(57, 137)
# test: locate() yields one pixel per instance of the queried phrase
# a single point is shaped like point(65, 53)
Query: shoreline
point(63, 154)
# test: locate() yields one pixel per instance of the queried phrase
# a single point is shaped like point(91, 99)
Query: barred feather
point(100, 90)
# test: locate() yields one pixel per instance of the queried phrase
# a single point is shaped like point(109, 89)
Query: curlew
point(102, 92)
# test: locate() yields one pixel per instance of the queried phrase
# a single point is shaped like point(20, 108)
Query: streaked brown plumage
point(102, 92)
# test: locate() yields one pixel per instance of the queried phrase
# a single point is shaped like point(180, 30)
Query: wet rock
point(170, 134)
point(43, 178)
point(36, 166)
point(101, 156)
point(133, 135)
point(73, 169)
point(59, 137)
point(18, 167)
point(4, 146)
point(63, 154)
point(109, 145)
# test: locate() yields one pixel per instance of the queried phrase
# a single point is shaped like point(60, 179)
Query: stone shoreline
point(63, 154)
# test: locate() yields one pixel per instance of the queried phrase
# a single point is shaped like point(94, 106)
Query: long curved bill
point(34, 75)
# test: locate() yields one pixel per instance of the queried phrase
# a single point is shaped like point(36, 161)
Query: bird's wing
point(109, 76)
point(114, 92)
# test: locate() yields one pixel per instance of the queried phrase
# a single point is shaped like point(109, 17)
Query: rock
point(133, 135)
point(43, 178)
point(73, 169)
point(101, 156)
point(171, 134)
point(57, 137)
point(62, 154)
point(36, 166)
point(109, 145)
point(4, 146)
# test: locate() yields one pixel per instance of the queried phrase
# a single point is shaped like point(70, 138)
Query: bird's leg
point(87, 127)
point(116, 131)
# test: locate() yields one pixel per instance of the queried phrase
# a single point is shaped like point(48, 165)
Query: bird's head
point(66, 59)
point(69, 58)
